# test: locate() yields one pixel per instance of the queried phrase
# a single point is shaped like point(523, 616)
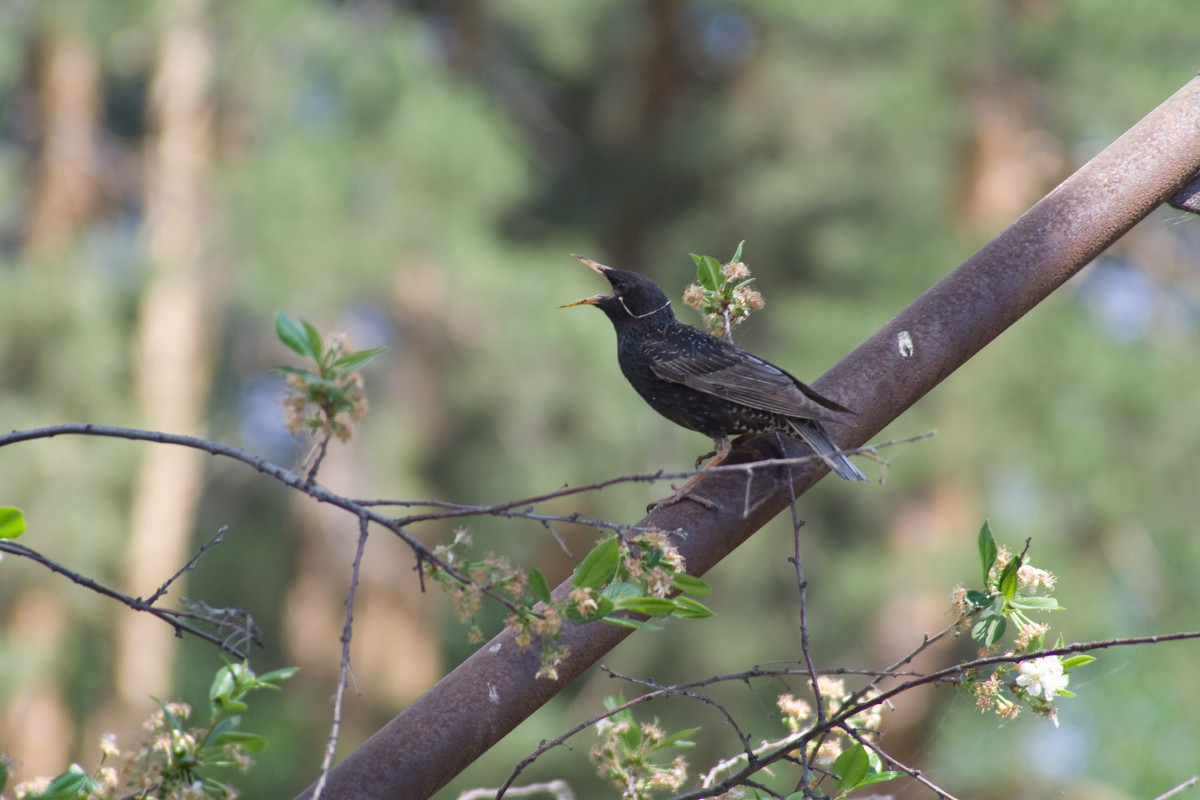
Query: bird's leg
point(738, 444)
point(722, 452)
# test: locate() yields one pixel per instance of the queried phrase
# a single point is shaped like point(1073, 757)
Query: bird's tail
point(811, 432)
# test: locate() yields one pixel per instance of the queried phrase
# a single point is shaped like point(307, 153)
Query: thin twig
point(802, 589)
point(189, 566)
point(549, 744)
point(669, 691)
point(911, 772)
point(463, 510)
point(170, 616)
point(316, 456)
point(344, 667)
point(561, 790)
point(1189, 783)
point(284, 476)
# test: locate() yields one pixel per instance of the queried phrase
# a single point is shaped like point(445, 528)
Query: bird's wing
point(716, 367)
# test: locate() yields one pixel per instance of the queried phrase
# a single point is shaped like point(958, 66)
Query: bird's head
point(633, 296)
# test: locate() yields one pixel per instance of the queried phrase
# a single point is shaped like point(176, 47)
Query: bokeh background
point(416, 173)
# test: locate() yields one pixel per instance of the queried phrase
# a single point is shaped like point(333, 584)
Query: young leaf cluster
point(635, 576)
point(722, 292)
point(642, 575)
point(629, 751)
point(999, 602)
point(330, 398)
point(175, 760)
point(1011, 585)
point(855, 768)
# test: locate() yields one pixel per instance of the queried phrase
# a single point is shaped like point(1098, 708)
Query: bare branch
point(1189, 783)
point(169, 616)
point(344, 666)
point(190, 565)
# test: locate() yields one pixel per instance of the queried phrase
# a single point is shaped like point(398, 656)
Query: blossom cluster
point(627, 756)
point(726, 300)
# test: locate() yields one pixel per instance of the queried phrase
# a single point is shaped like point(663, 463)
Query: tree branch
point(494, 690)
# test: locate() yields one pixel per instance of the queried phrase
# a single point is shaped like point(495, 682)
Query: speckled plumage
point(706, 384)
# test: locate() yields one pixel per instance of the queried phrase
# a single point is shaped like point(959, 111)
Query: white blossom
point(1042, 676)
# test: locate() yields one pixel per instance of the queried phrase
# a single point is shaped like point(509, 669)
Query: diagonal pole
point(494, 690)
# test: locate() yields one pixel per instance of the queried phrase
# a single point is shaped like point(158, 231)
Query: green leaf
point(224, 725)
point(621, 591)
point(1076, 661)
point(989, 629)
point(295, 371)
point(297, 335)
point(679, 739)
point(626, 622)
point(598, 566)
point(352, 362)
point(539, 585)
point(1035, 604)
point(67, 786)
point(172, 720)
point(650, 606)
point(987, 549)
point(737, 254)
point(691, 584)
point(978, 599)
point(315, 345)
point(277, 675)
point(652, 557)
point(687, 608)
point(1008, 579)
point(12, 522)
point(223, 684)
point(632, 737)
point(850, 768)
point(857, 767)
point(253, 743)
point(879, 777)
point(708, 272)
point(224, 704)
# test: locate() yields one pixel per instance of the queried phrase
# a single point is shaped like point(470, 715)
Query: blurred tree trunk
point(67, 88)
point(172, 369)
point(62, 195)
point(37, 723)
point(1011, 156)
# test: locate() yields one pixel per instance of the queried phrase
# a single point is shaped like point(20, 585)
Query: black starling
point(707, 384)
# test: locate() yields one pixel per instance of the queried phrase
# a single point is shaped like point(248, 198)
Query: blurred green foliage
point(418, 174)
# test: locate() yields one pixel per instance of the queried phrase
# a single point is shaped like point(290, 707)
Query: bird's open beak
point(589, 301)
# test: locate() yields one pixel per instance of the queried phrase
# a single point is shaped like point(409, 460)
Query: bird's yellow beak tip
point(596, 265)
point(587, 301)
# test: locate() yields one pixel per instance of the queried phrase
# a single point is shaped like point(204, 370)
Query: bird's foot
point(737, 444)
point(684, 493)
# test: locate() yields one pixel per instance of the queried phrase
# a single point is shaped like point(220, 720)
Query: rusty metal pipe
point(494, 690)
